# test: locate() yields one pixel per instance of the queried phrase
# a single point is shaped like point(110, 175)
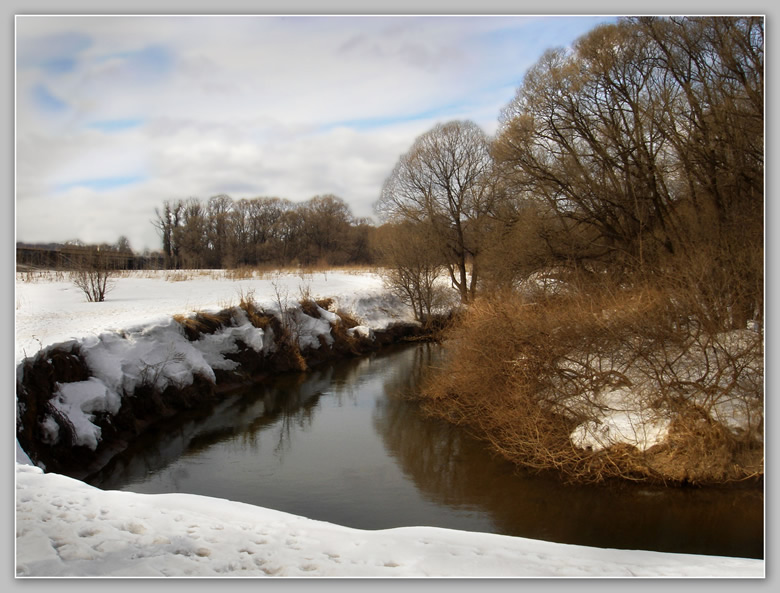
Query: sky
point(117, 114)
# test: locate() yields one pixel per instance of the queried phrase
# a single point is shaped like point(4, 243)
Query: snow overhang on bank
point(159, 353)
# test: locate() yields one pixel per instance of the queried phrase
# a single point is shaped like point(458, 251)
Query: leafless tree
point(445, 181)
point(644, 143)
point(167, 223)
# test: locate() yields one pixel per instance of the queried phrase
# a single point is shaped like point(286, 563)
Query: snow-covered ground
point(65, 527)
point(51, 309)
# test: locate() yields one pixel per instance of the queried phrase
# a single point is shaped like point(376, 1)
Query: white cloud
point(291, 107)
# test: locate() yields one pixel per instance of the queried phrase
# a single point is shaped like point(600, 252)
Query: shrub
point(581, 382)
point(93, 276)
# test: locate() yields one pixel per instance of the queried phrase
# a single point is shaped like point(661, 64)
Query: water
point(338, 444)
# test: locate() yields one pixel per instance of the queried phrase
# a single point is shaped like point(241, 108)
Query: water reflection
point(287, 405)
point(339, 444)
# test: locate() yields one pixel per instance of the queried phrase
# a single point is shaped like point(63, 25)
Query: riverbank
point(607, 386)
point(50, 309)
point(83, 400)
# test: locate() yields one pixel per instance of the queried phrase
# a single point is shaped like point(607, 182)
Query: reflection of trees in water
point(288, 401)
point(448, 467)
point(172, 438)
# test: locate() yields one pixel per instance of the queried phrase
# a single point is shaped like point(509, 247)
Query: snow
point(124, 349)
point(50, 309)
point(65, 527)
point(622, 420)
point(723, 372)
point(78, 401)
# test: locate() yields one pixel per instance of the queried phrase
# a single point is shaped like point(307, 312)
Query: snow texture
point(67, 528)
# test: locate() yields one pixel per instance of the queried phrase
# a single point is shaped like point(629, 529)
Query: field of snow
point(65, 527)
point(50, 309)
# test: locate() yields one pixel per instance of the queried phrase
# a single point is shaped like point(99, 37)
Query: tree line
point(225, 233)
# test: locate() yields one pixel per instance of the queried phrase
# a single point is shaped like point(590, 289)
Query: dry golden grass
point(241, 273)
point(257, 317)
point(178, 276)
point(202, 322)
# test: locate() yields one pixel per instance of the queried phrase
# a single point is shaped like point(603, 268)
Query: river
point(341, 444)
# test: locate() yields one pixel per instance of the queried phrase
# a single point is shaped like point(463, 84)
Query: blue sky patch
point(150, 63)
point(46, 101)
point(102, 183)
point(371, 123)
point(116, 125)
point(55, 54)
point(59, 65)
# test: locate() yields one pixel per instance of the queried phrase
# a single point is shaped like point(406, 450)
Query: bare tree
point(122, 245)
point(218, 210)
point(327, 221)
point(446, 182)
point(191, 235)
point(167, 223)
point(644, 144)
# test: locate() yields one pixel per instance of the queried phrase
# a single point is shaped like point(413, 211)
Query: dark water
point(338, 445)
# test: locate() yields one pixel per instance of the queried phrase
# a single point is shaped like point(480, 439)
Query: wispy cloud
point(440, 112)
point(54, 54)
point(151, 63)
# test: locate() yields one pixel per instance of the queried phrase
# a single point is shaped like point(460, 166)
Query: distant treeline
point(73, 255)
point(226, 233)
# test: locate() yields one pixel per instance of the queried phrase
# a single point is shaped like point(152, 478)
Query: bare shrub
point(93, 275)
point(202, 322)
point(257, 317)
point(326, 303)
point(528, 377)
point(153, 373)
point(177, 276)
point(308, 304)
point(347, 320)
point(289, 330)
point(415, 269)
point(240, 273)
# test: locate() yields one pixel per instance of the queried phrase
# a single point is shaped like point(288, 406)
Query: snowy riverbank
point(51, 309)
point(65, 527)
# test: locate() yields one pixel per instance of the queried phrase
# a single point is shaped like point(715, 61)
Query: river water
point(341, 444)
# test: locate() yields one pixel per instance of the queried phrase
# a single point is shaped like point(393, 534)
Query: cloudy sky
point(115, 115)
